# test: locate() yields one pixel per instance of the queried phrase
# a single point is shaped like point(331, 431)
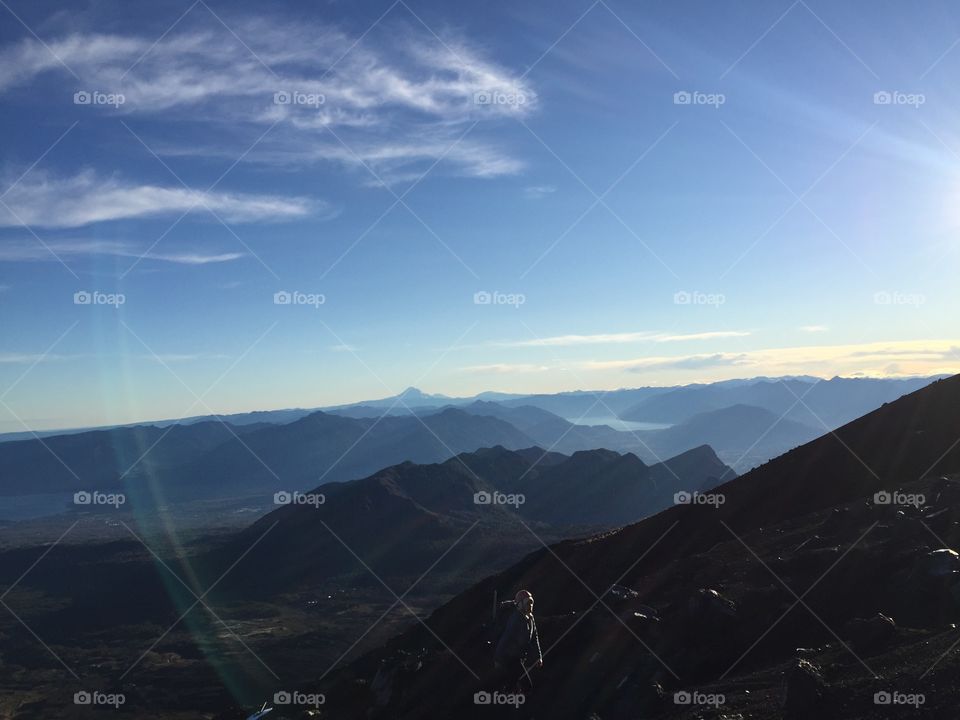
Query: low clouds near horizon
point(877, 359)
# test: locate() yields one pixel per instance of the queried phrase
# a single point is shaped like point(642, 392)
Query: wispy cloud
point(622, 338)
point(13, 358)
point(690, 362)
point(29, 250)
point(42, 200)
point(506, 368)
point(877, 359)
point(307, 78)
point(813, 328)
point(911, 351)
point(377, 160)
point(183, 357)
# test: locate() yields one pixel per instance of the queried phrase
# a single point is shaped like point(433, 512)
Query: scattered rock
point(643, 624)
point(707, 604)
point(620, 592)
point(941, 563)
point(805, 688)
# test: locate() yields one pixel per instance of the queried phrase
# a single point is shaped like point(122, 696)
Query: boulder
point(805, 689)
point(621, 593)
point(709, 601)
point(940, 563)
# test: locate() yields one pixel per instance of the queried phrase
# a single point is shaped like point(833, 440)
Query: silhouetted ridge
point(397, 516)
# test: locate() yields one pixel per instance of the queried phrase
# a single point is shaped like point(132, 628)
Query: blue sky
point(525, 197)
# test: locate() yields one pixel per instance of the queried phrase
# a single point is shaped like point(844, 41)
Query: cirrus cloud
point(398, 102)
point(44, 200)
point(29, 250)
point(621, 338)
point(876, 359)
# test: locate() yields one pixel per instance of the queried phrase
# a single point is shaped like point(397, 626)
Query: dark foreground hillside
point(805, 594)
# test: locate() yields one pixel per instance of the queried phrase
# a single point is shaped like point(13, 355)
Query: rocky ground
point(829, 615)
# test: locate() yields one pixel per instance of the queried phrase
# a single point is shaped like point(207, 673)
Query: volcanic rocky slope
point(803, 594)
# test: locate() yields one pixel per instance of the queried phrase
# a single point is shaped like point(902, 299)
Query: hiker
point(518, 649)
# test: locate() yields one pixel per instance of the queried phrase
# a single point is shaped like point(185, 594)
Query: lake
point(618, 424)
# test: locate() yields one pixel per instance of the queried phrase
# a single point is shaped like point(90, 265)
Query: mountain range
point(217, 458)
point(835, 401)
point(822, 404)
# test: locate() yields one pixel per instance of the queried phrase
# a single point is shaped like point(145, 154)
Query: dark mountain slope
point(782, 508)
point(323, 448)
point(404, 516)
point(97, 458)
point(212, 460)
point(605, 488)
point(584, 402)
point(832, 402)
point(740, 432)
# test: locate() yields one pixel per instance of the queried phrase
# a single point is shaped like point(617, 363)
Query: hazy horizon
point(600, 415)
